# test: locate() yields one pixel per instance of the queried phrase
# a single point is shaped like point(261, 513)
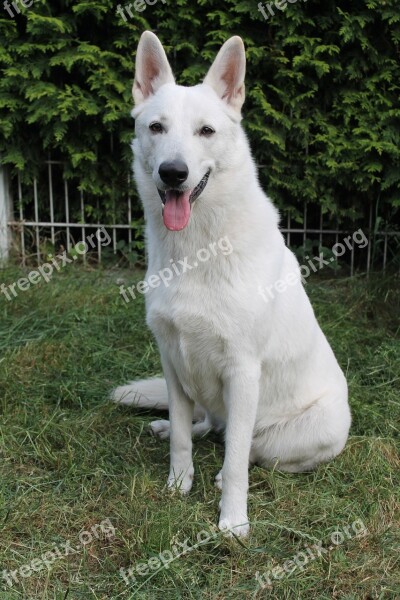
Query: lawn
point(82, 489)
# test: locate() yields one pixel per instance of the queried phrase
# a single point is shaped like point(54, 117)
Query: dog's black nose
point(173, 172)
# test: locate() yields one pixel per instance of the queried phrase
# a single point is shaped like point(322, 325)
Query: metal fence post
point(5, 215)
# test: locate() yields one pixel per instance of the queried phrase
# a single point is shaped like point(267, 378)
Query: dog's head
point(185, 135)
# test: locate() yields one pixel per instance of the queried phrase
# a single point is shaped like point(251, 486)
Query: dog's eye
point(156, 127)
point(206, 131)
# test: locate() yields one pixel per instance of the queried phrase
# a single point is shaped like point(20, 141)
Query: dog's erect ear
point(227, 73)
point(152, 68)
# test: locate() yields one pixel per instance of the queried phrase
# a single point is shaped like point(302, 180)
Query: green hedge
point(323, 89)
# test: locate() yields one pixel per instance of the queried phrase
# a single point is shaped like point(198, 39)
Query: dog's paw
point(233, 518)
point(183, 483)
point(218, 480)
point(230, 526)
point(160, 428)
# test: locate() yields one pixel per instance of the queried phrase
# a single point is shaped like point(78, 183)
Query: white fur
point(264, 371)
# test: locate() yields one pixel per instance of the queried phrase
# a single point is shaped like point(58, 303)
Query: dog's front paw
point(237, 526)
point(233, 518)
point(181, 481)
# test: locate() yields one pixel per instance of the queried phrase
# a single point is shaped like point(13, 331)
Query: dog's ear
point(227, 73)
point(152, 68)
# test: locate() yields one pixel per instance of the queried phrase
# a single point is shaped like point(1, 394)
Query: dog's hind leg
point(302, 442)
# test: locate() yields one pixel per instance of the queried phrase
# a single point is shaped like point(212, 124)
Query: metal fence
point(57, 215)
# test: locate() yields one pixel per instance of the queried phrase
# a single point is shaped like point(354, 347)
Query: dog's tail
point(144, 393)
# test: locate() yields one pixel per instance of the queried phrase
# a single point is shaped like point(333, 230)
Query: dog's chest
point(192, 340)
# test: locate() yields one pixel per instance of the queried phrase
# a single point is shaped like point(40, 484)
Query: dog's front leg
point(241, 392)
point(181, 410)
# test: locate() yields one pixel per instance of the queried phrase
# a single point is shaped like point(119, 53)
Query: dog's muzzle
point(176, 204)
point(195, 192)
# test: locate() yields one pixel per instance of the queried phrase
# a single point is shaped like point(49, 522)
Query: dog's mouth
point(177, 204)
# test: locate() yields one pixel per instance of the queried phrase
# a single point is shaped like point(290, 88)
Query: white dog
point(263, 371)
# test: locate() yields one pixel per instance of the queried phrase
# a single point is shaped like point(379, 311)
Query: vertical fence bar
point(385, 251)
point(51, 199)
point(21, 219)
point(36, 205)
point(83, 220)
point(129, 213)
point(288, 230)
point(337, 229)
point(320, 229)
point(370, 240)
point(352, 261)
point(66, 198)
point(129, 222)
point(98, 223)
point(305, 226)
point(336, 263)
point(114, 230)
point(5, 215)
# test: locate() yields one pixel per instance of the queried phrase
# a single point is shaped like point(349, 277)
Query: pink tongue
point(176, 210)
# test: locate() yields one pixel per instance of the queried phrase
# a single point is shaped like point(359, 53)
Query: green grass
point(70, 460)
